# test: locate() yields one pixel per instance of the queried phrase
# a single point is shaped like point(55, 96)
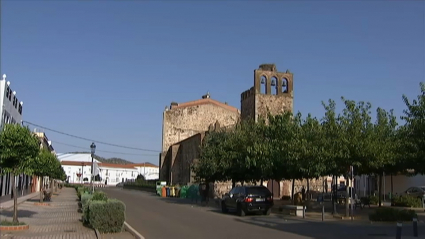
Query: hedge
point(85, 202)
point(107, 216)
point(406, 201)
point(386, 214)
point(99, 196)
point(82, 190)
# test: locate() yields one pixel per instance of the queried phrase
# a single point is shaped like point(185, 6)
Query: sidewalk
point(59, 220)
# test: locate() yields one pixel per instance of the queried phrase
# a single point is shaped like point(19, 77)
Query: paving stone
point(58, 221)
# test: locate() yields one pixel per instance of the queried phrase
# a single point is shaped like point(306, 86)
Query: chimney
point(207, 96)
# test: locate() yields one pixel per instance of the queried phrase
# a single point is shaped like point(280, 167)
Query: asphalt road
point(163, 218)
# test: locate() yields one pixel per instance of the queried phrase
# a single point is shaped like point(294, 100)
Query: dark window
point(7, 92)
point(20, 109)
point(258, 191)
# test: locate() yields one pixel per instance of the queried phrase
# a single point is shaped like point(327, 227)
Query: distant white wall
point(111, 175)
point(150, 173)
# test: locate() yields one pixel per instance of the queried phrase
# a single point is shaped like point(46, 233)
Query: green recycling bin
point(183, 192)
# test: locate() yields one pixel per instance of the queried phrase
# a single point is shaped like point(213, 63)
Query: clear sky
point(105, 70)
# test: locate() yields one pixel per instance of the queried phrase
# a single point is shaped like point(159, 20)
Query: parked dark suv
point(248, 199)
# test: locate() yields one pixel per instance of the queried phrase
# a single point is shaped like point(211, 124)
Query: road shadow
point(21, 213)
point(325, 230)
point(212, 203)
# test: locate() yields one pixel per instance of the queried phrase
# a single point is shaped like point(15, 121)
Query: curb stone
point(132, 231)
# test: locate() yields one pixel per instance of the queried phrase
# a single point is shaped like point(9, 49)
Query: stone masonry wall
point(188, 151)
point(182, 123)
point(274, 104)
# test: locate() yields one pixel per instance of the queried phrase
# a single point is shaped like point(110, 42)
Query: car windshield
point(258, 191)
point(423, 188)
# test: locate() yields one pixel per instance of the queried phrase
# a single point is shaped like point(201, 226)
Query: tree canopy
point(290, 146)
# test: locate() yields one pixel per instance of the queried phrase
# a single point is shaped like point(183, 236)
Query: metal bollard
point(398, 232)
point(323, 212)
point(303, 211)
point(415, 227)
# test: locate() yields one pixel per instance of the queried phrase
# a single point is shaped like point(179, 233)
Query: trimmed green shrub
point(85, 197)
point(371, 200)
point(387, 214)
point(374, 200)
point(107, 216)
point(406, 201)
point(86, 209)
point(99, 196)
point(81, 190)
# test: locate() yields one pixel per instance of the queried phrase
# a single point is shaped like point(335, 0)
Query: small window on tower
point(274, 86)
point(263, 85)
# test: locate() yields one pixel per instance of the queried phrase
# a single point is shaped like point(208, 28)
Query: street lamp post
point(93, 150)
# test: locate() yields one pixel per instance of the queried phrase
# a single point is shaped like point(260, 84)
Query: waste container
point(163, 192)
point(167, 191)
point(183, 192)
point(159, 185)
point(172, 191)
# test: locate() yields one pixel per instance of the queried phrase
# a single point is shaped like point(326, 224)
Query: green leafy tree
point(281, 132)
point(347, 138)
point(213, 162)
point(413, 132)
point(311, 149)
point(18, 149)
point(259, 150)
point(44, 165)
point(357, 130)
point(383, 147)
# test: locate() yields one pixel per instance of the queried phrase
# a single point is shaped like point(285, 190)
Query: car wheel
point(240, 211)
point(267, 212)
point(224, 208)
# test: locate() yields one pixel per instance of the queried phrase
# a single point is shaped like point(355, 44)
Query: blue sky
point(106, 70)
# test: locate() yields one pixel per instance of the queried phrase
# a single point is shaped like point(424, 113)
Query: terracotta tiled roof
point(110, 165)
point(144, 165)
point(204, 102)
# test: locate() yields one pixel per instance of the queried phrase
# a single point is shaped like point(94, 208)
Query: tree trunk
point(15, 199)
point(392, 187)
point(334, 193)
point(293, 190)
point(233, 183)
point(52, 185)
point(308, 190)
point(347, 198)
point(261, 182)
point(380, 190)
point(41, 189)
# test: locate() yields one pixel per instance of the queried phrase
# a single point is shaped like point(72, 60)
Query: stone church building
point(185, 124)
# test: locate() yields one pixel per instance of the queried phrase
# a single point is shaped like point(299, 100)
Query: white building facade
point(10, 106)
point(78, 170)
point(148, 170)
point(11, 113)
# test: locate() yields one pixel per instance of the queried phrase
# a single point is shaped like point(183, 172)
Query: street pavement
point(162, 218)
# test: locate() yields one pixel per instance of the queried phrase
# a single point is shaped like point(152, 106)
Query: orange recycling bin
point(163, 192)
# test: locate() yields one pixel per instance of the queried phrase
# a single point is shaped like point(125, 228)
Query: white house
point(148, 170)
point(78, 167)
point(11, 113)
